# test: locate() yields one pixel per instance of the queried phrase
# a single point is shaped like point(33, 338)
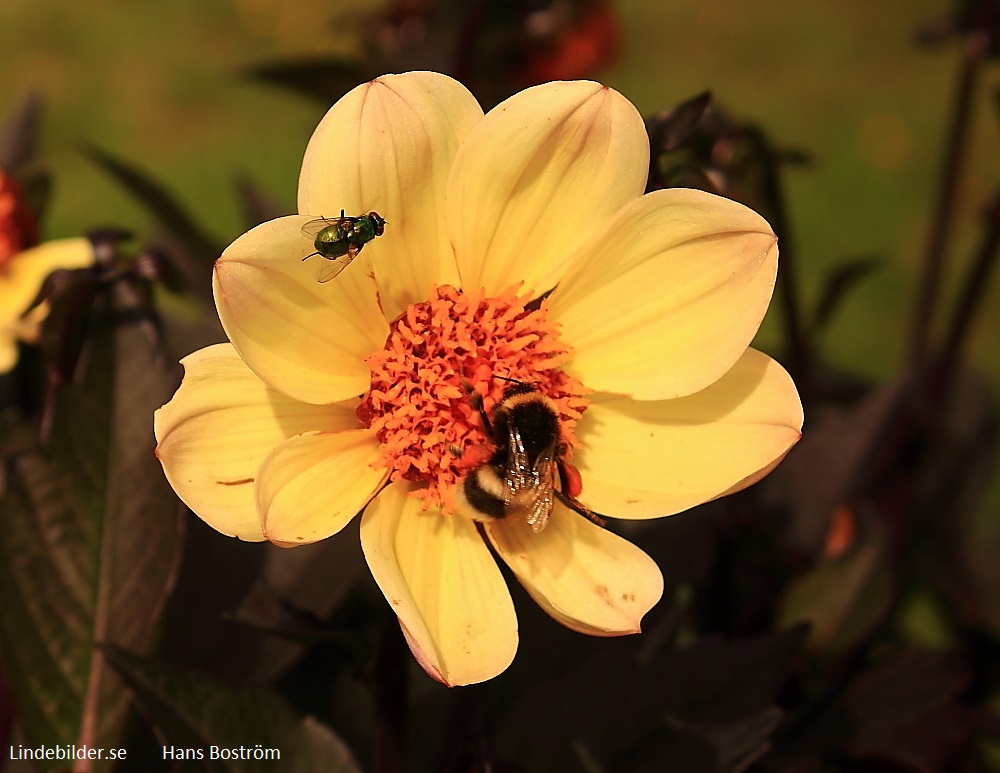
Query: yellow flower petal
point(668, 296)
point(303, 338)
point(21, 279)
point(538, 177)
point(8, 351)
point(645, 459)
point(312, 485)
point(444, 586)
point(586, 577)
point(214, 433)
point(388, 146)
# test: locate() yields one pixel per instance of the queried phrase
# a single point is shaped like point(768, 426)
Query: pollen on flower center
point(418, 403)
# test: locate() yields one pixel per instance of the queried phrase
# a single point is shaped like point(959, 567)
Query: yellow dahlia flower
point(642, 345)
point(23, 269)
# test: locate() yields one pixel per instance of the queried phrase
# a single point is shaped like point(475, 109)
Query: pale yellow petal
point(217, 429)
point(539, 176)
point(443, 584)
point(8, 350)
point(312, 485)
point(668, 296)
point(388, 146)
point(304, 338)
point(586, 577)
point(26, 328)
point(22, 277)
point(648, 458)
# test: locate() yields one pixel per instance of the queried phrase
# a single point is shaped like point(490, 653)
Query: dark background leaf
point(157, 200)
point(19, 133)
point(91, 538)
point(256, 205)
point(324, 79)
point(838, 284)
point(713, 691)
point(192, 711)
point(843, 598)
point(902, 711)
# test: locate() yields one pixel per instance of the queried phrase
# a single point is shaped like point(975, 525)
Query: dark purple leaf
point(256, 205)
point(671, 129)
point(833, 463)
point(19, 134)
point(713, 686)
point(324, 79)
point(837, 284)
point(905, 711)
point(91, 537)
point(161, 204)
point(191, 710)
point(843, 598)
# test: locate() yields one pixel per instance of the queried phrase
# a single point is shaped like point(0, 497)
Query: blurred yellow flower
point(642, 345)
point(23, 269)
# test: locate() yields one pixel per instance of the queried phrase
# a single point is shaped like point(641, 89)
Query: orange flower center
point(17, 227)
point(418, 403)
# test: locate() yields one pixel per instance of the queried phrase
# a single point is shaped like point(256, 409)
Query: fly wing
point(343, 224)
point(331, 268)
point(313, 227)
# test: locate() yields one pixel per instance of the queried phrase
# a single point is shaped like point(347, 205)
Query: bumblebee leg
point(576, 507)
point(476, 401)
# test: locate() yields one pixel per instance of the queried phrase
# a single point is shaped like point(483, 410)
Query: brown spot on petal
point(241, 482)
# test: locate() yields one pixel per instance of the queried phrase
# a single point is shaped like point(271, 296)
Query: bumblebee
point(341, 237)
point(519, 477)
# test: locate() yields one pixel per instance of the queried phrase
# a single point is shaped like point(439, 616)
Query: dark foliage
point(784, 643)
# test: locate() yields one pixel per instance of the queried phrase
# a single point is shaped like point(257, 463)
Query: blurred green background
point(162, 86)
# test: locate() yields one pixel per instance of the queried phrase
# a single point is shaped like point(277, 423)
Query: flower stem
point(969, 300)
point(787, 291)
point(974, 52)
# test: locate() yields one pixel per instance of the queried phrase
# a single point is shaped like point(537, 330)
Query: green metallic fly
point(337, 237)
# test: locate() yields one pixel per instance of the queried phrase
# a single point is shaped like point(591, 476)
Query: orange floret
point(418, 404)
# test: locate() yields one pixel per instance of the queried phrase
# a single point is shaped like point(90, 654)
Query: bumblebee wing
point(331, 268)
point(517, 476)
point(542, 493)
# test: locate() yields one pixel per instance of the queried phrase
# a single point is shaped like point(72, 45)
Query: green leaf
point(91, 538)
point(193, 712)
